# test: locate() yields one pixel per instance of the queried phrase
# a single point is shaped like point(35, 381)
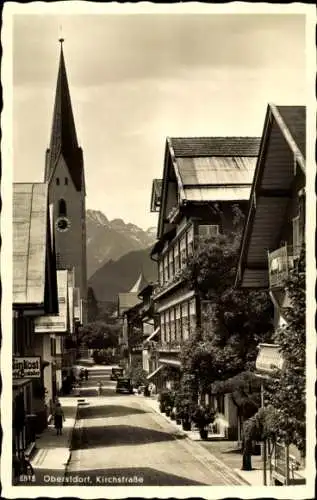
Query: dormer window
point(66, 181)
point(57, 181)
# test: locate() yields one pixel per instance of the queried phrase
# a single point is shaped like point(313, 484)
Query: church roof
point(139, 284)
point(63, 134)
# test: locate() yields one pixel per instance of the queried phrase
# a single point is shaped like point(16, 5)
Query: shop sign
point(269, 358)
point(27, 367)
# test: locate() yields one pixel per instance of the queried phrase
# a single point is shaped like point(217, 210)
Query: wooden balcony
point(280, 262)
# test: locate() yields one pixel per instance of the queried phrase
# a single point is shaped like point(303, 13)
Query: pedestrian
point(58, 418)
point(99, 388)
point(86, 374)
point(81, 374)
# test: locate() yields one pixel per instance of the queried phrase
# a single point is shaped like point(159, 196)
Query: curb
point(70, 443)
point(216, 461)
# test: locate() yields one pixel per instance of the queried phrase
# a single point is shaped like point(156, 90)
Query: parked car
point(116, 373)
point(124, 385)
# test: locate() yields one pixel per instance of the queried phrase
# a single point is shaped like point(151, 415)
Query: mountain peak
point(112, 239)
point(97, 216)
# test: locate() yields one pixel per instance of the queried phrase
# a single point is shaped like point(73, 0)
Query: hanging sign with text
point(27, 367)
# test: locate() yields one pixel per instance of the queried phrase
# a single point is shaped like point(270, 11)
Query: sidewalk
point(52, 451)
point(223, 450)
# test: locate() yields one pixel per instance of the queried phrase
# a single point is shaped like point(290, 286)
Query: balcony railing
point(280, 262)
point(137, 348)
point(169, 347)
point(171, 214)
point(159, 288)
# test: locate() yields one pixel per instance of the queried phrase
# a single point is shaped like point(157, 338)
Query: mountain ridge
point(119, 276)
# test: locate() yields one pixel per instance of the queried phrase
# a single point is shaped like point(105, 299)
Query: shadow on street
point(108, 411)
point(116, 435)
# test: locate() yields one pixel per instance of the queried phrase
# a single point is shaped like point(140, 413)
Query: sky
point(136, 79)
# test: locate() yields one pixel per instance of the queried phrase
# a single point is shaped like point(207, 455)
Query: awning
point(155, 372)
point(20, 382)
point(269, 358)
point(152, 334)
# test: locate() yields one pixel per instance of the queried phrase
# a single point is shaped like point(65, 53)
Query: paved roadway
point(119, 440)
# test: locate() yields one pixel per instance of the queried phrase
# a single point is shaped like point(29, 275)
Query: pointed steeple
point(63, 135)
point(139, 284)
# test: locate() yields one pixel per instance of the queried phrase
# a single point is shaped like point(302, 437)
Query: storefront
point(25, 371)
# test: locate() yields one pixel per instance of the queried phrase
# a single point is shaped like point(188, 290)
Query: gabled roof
point(31, 244)
point(63, 134)
point(208, 169)
point(195, 147)
point(281, 160)
point(294, 118)
point(214, 168)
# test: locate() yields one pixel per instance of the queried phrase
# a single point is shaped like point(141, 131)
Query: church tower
point(64, 172)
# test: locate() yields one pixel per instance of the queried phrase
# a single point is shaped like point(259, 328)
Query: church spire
point(63, 140)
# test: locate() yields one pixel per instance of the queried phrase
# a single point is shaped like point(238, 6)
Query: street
point(119, 439)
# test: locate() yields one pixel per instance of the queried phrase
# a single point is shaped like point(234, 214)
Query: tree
point(99, 335)
point(93, 309)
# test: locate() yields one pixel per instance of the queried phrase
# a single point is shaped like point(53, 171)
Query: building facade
point(34, 294)
point(274, 234)
point(202, 179)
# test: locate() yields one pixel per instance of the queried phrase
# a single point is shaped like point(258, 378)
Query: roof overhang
point(157, 370)
point(152, 335)
point(170, 362)
point(279, 165)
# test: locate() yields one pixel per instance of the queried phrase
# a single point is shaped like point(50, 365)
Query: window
point(183, 251)
point(161, 273)
point(57, 181)
point(172, 324)
point(53, 347)
point(167, 326)
point(178, 325)
point(192, 315)
point(190, 241)
point(208, 231)
point(66, 181)
point(171, 263)
point(185, 331)
point(220, 403)
point(299, 228)
point(176, 257)
point(62, 209)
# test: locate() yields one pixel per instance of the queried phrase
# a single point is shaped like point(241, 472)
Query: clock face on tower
point(62, 224)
